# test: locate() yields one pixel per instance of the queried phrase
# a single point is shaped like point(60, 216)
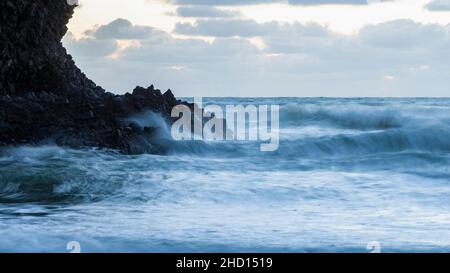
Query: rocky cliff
point(45, 98)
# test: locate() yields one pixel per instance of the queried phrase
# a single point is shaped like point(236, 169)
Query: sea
point(349, 175)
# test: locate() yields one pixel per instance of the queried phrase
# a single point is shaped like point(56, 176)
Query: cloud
point(223, 28)
point(256, 2)
point(121, 29)
point(90, 47)
point(205, 12)
point(438, 5)
point(107, 40)
point(222, 2)
point(335, 2)
point(247, 28)
point(404, 34)
point(296, 59)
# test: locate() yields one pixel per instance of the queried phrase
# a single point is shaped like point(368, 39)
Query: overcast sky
point(265, 47)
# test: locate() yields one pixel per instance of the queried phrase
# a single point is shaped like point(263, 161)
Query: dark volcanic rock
point(44, 97)
point(32, 56)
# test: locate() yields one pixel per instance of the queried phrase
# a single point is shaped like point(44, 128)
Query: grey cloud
point(205, 12)
point(330, 2)
point(89, 47)
point(438, 5)
point(254, 2)
point(247, 28)
point(122, 29)
point(222, 2)
point(404, 34)
point(101, 41)
point(223, 28)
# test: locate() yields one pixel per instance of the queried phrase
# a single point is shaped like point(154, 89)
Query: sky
point(266, 48)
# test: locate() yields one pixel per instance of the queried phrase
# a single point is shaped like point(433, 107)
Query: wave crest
point(356, 117)
point(51, 175)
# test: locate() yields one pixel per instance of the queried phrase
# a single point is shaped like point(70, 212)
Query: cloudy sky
point(266, 47)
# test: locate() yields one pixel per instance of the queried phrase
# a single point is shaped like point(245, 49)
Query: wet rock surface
point(45, 98)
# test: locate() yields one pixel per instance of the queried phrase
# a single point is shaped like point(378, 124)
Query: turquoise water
point(347, 172)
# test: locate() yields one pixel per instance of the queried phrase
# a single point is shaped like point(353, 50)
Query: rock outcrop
point(45, 98)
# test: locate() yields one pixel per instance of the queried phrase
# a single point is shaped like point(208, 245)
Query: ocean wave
point(429, 140)
point(321, 133)
point(329, 128)
point(435, 139)
point(54, 175)
point(354, 117)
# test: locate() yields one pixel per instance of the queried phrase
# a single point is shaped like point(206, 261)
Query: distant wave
point(425, 140)
point(340, 130)
point(428, 140)
point(356, 117)
point(387, 128)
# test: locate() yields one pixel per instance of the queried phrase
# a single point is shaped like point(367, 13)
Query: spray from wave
point(317, 130)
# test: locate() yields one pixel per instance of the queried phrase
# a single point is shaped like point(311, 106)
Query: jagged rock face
point(32, 55)
point(45, 98)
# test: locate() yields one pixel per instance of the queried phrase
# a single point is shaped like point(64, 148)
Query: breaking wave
point(54, 175)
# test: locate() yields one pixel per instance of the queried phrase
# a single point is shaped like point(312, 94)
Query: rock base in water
point(78, 121)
